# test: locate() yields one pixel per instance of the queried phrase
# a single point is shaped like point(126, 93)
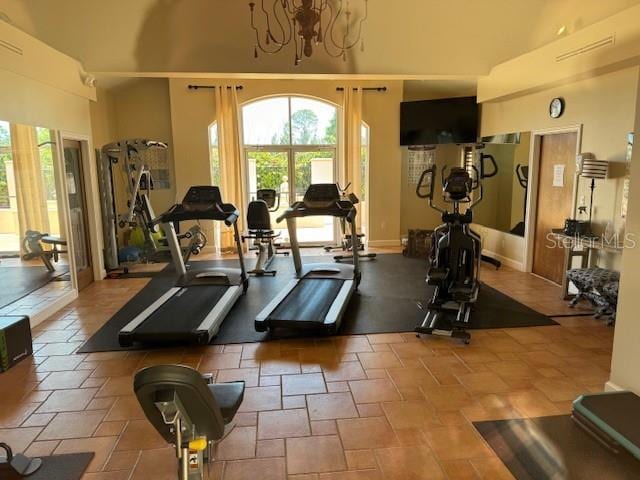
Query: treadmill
point(193, 310)
point(317, 297)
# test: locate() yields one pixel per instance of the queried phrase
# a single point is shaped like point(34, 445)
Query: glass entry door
point(78, 212)
point(270, 169)
point(313, 166)
point(290, 171)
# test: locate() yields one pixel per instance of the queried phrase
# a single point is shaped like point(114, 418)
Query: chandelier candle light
point(307, 23)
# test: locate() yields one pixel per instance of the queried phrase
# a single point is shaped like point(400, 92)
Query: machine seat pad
point(261, 233)
point(209, 411)
point(51, 240)
point(229, 397)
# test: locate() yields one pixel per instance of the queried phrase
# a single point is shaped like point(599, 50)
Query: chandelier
point(308, 23)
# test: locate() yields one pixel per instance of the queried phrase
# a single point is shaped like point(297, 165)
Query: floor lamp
point(593, 169)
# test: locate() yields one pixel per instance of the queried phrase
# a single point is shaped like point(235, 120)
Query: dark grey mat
point(70, 466)
point(18, 282)
point(555, 447)
point(389, 299)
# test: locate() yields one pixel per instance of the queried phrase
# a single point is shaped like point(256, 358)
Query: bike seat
point(52, 240)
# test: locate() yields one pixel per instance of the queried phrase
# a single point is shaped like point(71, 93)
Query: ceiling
point(405, 37)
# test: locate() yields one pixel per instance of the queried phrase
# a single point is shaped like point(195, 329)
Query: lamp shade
point(592, 168)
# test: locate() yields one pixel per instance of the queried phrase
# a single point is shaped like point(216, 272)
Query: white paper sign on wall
point(558, 175)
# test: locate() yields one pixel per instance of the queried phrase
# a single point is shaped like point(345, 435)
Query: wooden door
point(78, 220)
point(554, 203)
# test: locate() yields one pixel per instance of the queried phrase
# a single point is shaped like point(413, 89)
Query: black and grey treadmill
point(193, 310)
point(319, 294)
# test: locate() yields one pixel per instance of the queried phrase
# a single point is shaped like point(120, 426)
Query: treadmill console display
point(202, 197)
point(321, 195)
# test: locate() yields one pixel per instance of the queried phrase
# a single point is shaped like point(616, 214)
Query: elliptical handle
point(483, 174)
point(479, 199)
point(420, 186)
point(522, 178)
point(476, 180)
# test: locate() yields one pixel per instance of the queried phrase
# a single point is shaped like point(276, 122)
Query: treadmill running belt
point(181, 314)
point(309, 301)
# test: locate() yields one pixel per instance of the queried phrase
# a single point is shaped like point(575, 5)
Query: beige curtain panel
point(352, 148)
point(232, 168)
point(30, 192)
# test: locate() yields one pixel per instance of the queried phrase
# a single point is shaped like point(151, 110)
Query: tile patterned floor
point(373, 407)
point(36, 302)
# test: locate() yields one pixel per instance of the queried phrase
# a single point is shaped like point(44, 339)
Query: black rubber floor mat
point(390, 299)
point(70, 466)
point(555, 448)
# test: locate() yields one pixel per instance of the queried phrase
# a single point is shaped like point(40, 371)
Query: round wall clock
point(556, 107)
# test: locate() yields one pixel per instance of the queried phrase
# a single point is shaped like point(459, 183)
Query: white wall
point(605, 107)
point(626, 346)
point(43, 87)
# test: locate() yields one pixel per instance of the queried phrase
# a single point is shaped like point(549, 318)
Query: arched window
point(290, 143)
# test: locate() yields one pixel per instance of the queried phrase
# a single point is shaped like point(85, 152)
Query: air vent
point(610, 40)
point(11, 47)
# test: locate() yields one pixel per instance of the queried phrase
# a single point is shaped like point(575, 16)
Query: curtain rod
point(377, 89)
point(196, 87)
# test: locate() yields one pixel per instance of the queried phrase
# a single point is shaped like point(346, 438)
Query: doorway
point(78, 217)
point(290, 171)
point(555, 201)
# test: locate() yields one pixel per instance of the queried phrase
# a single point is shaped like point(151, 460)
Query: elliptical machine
point(455, 255)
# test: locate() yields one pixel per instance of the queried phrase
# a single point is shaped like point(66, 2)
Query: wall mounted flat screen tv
point(448, 120)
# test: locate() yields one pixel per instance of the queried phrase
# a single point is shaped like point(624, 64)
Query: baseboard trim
point(509, 262)
point(612, 387)
point(384, 243)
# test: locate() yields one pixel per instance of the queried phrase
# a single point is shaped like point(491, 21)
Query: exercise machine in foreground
point(611, 418)
point(33, 245)
point(188, 411)
point(259, 230)
point(455, 255)
point(193, 310)
point(319, 294)
point(346, 243)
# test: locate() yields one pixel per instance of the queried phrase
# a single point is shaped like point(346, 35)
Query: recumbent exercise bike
point(260, 231)
point(455, 254)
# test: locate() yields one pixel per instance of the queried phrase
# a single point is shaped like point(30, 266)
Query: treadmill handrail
point(232, 218)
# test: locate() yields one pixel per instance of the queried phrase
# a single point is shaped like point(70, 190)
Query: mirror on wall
point(34, 267)
point(503, 207)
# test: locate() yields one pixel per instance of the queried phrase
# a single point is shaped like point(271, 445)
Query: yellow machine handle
point(199, 444)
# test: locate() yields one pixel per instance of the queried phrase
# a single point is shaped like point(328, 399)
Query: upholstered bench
point(610, 294)
point(590, 283)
